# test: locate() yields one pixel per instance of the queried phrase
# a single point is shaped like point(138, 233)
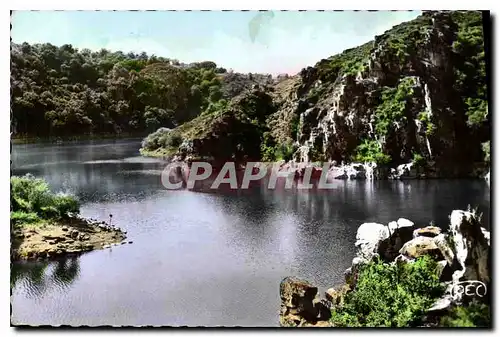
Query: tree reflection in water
point(39, 277)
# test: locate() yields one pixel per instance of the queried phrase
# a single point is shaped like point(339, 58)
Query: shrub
point(31, 198)
point(389, 295)
point(418, 159)
point(152, 141)
point(370, 151)
point(393, 106)
point(163, 137)
point(22, 217)
point(271, 151)
point(475, 314)
point(426, 121)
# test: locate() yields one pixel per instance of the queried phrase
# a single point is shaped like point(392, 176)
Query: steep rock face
point(393, 101)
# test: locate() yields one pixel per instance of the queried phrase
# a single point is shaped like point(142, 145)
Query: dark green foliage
point(393, 106)
point(272, 151)
point(429, 126)
point(406, 38)
point(470, 68)
point(475, 314)
point(348, 62)
point(370, 151)
point(31, 200)
point(61, 91)
point(390, 295)
point(418, 159)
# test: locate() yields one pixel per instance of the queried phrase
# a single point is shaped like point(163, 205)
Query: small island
point(45, 225)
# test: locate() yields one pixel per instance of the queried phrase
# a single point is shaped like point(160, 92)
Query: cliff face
point(416, 94)
point(398, 99)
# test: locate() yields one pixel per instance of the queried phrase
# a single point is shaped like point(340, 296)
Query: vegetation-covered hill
point(62, 91)
point(416, 94)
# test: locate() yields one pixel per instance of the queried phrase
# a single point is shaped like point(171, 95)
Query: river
point(203, 259)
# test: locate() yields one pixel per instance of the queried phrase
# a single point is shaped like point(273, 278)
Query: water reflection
point(38, 278)
point(208, 257)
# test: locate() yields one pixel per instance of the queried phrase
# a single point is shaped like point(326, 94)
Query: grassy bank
point(46, 225)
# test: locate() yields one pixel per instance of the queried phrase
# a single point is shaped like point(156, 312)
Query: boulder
point(444, 271)
point(299, 305)
point(336, 295)
point(442, 242)
point(471, 246)
point(429, 231)
point(400, 231)
point(368, 239)
point(420, 246)
point(403, 171)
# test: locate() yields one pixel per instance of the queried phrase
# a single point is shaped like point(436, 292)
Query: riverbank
point(72, 236)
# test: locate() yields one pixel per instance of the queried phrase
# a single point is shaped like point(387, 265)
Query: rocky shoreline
point(462, 252)
point(73, 236)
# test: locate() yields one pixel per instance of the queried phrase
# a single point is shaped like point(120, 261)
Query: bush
point(31, 198)
point(393, 106)
point(426, 121)
point(164, 138)
point(390, 295)
point(475, 314)
point(271, 151)
point(370, 151)
point(22, 217)
point(418, 159)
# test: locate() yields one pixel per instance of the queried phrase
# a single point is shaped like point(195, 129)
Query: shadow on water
point(41, 276)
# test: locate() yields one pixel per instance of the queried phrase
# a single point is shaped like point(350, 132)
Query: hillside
point(63, 91)
point(415, 94)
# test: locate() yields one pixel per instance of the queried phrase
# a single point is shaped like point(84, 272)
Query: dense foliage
point(470, 68)
point(475, 314)
point(390, 114)
point(349, 62)
point(233, 133)
point(370, 151)
point(31, 201)
point(60, 91)
point(388, 295)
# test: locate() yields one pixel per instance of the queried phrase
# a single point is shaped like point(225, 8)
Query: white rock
point(402, 222)
point(471, 247)
point(368, 238)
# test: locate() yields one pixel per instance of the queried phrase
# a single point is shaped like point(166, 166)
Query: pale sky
point(262, 42)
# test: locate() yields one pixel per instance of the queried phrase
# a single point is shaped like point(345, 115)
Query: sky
point(246, 41)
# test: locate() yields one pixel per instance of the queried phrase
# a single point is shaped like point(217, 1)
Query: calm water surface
point(203, 259)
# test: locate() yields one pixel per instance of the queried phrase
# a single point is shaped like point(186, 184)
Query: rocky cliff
point(416, 94)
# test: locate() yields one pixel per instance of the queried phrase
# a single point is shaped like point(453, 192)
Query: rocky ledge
point(462, 251)
point(75, 236)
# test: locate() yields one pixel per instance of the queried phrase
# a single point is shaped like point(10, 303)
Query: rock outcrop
point(396, 101)
point(462, 253)
point(300, 306)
